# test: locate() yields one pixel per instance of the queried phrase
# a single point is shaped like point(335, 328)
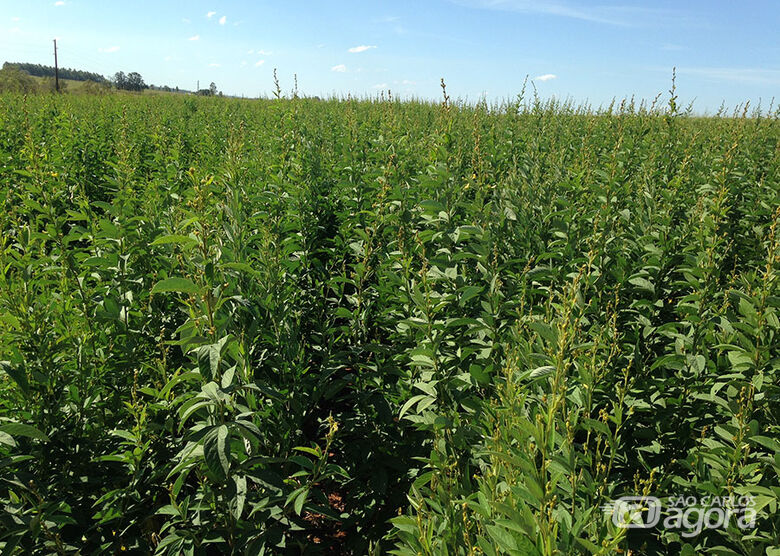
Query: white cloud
point(108, 50)
point(168, 58)
point(222, 20)
point(671, 47)
point(243, 63)
point(380, 86)
point(214, 65)
point(361, 48)
point(259, 63)
point(264, 52)
point(545, 77)
point(59, 3)
point(16, 19)
point(341, 68)
point(211, 14)
point(194, 38)
point(185, 20)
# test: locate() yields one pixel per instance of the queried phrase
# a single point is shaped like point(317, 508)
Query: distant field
point(79, 87)
point(359, 327)
point(68, 85)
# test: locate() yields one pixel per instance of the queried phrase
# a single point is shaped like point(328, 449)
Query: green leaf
point(240, 499)
point(469, 292)
point(299, 495)
point(316, 452)
point(300, 500)
point(426, 387)
point(7, 439)
point(17, 375)
point(181, 285)
point(502, 537)
point(20, 429)
point(642, 284)
point(243, 267)
point(183, 241)
point(545, 331)
point(479, 374)
point(214, 451)
point(770, 443)
point(409, 403)
point(540, 372)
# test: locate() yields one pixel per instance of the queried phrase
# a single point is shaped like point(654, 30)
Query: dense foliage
point(302, 326)
point(130, 82)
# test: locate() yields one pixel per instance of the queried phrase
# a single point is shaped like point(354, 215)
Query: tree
point(50, 84)
point(213, 89)
point(135, 82)
point(95, 88)
point(13, 79)
point(39, 70)
point(130, 82)
point(120, 80)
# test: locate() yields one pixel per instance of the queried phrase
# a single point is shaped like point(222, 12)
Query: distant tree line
point(210, 92)
point(39, 70)
point(18, 76)
point(12, 79)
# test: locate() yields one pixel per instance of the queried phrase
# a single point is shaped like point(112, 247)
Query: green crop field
point(303, 326)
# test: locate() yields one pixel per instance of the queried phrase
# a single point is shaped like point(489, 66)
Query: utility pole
point(197, 87)
point(56, 69)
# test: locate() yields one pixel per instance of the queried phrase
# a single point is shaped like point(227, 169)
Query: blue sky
point(725, 51)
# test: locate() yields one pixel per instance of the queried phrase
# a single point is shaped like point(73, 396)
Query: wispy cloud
point(361, 48)
point(109, 50)
point(186, 20)
point(211, 14)
point(393, 21)
point(16, 19)
point(214, 65)
point(407, 82)
point(756, 76)
point(59, 3)
point(625, 15)
point(380, 86)
point(194, 38)
point(545, 77)
point(222, 20)
point(341, 68)
point(259, 63)
point(264, 52)
point(671, 47)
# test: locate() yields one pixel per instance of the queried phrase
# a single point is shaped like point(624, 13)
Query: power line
point(56, 69)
